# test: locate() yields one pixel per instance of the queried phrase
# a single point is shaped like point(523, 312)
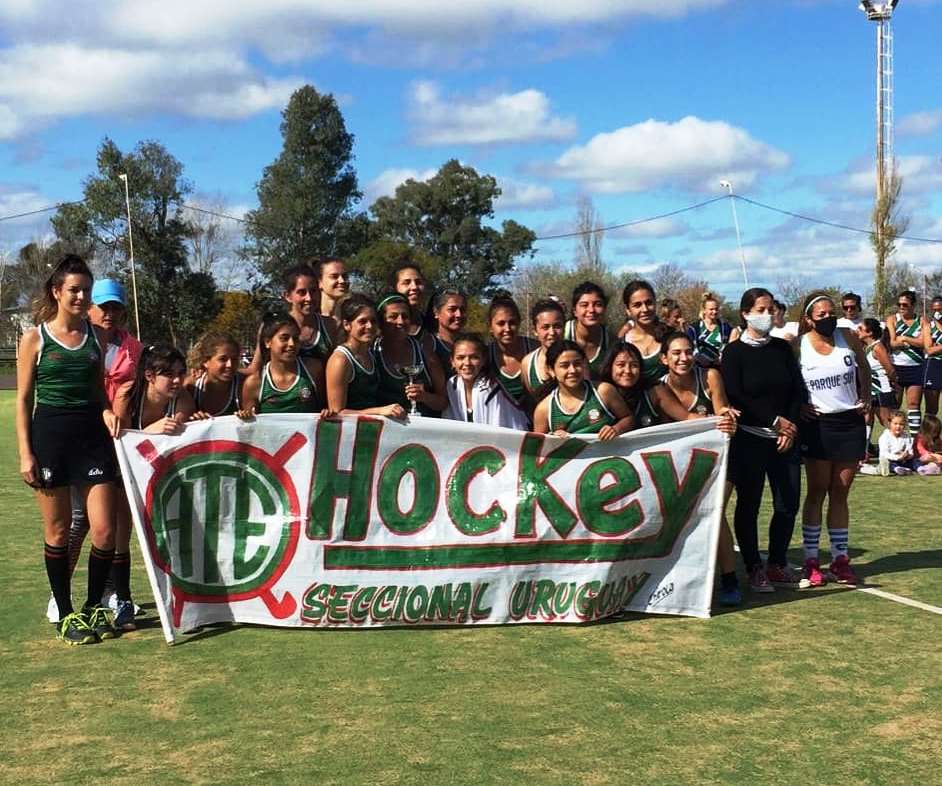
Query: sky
point(644, 106)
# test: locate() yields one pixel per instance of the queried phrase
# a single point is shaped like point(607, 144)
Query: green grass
point(827, 686)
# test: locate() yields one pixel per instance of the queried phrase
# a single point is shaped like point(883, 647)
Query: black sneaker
point(74, 629)
point(99, 620)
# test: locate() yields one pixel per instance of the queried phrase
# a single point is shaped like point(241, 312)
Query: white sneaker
point(110, 601)
point(868, 469)
point(902, 471)
point(52, 610)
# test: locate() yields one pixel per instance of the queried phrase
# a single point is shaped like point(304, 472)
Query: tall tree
point(888, 224)
point(173, 300)
point(445, 216)
point(306, 195)
point(589, 241)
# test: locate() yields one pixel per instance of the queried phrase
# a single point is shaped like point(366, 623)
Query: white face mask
point(937, 315)
point(760, 323)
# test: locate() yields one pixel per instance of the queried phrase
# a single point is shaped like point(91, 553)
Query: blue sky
point(642, 105)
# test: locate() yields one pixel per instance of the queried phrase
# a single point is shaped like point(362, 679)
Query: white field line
point(916, 604)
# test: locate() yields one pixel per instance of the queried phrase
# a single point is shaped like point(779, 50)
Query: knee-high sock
point(99, 565)
point(57, 569)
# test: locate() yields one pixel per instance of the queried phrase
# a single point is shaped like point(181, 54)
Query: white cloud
point(485, 119)
point(385, 183)
point(521, 195)
point(921, 174)
point(920, 123)
point(658, 228)
point(691, 154)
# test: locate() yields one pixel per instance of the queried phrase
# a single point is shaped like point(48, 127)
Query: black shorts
point(841, 436)
point(72, 446)
point(910, 376)
point(887, 400)
point(933, 375)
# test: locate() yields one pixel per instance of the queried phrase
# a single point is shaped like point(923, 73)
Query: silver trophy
point(412, 372)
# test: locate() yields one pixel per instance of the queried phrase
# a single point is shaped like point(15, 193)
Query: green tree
point(444, 217)
point(306, 195)
point(174, 302)
point(888, 224)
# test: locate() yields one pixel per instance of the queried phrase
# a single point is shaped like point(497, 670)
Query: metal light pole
point(732, 203)
point(127, 203)
point(882, 14)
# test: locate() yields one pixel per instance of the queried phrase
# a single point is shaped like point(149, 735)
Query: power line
point(41, 210)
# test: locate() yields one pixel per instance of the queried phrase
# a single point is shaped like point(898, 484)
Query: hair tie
point(397, 298)
point(815, 300)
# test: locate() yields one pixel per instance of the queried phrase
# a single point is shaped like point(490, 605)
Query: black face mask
point(826, 326)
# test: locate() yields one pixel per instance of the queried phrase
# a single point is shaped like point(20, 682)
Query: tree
point(238, 317)
point(444, 217)
point(213, 245)
point(888, 224)
point(173, 301)
point(306, 196)
point(589, 241)
point(374, 265)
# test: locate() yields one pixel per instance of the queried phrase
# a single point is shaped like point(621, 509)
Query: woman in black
point(763, 382)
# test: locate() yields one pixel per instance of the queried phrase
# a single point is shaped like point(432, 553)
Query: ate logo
point(223, 521)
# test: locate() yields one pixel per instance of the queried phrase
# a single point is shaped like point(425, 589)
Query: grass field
point(823, 686)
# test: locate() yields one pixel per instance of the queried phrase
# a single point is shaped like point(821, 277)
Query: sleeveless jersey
point(232, 403)
point(596, 361)
point(709, 342)
point(138, 414)
point(935, 333)
point(300, 397)
point(702, 403)
point(443, 353)
point(591, 416)
point(392, 383)
point(68, 376)
point(363, 385)
point(651, 367)
point(511, 383)
point(645, 413)
point(831, 379)
point(907, 356)
point(879, 380)
point(533, 375)
point(321, 346)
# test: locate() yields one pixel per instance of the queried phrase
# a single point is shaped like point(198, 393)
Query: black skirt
point(839, 436)
point(72, 446)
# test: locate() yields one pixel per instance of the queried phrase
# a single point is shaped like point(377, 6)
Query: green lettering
point(677, 500)
point(472, 463)
point(382, 604)
point(542, 599)
point(534, 489)
point(477, 612)
point(593, 500)
point(417, 603)
point(562, 600)
point(584, 602)
point(337, 605)
point(439, 607)
point(360, 605)
point(461, 602)
point(417, 461)
point(520, 599)
point(314, 606)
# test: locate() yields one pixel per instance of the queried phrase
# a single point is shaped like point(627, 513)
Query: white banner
point(363, 521)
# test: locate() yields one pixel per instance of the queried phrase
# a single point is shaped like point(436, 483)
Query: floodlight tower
point(882, 14)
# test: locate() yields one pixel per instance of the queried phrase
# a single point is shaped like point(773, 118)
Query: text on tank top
point(590, 417)
point(831, 379)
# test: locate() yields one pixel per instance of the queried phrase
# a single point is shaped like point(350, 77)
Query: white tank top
point(831, 379)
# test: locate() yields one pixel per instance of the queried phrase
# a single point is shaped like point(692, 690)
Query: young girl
point(215, 391)
point(587, 327)
point(508, 347)
point(333, 281)
point(548, 318)
point(285, 383)
point(907, 350)
point(157, 402)
point(710, 334)
point(647, 331)
point(700, 390)
point(896, 448)
point(64, 426)
point(396, 350)
point(474, 395)
point(929, 446)
point(449, 310)
point(352, 375)
point(574, 404)
point(932, 344)
point(833, 430)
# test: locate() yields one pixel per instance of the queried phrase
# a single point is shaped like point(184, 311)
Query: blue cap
point(107, 290)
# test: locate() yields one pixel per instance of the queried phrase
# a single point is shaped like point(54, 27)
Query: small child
point(896, 448)
point(929, 446)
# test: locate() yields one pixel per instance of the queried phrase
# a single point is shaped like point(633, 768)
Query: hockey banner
point(357, 521)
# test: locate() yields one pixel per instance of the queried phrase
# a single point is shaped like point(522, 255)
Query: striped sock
point(914, 419)
point(810, 535)
point(839, 538)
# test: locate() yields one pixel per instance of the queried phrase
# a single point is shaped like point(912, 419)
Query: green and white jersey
point(651, 367)
point(702, 403)
point(935, 332)
point(907, 356)
point(511, 383)
point(589, 417)
point(300, 397)
point(879, 380)
point(596, 361)
point(533, 376)
point(68, 376)
point(363, 382)
point(645, 413)
point(320, 346)
point(392, 382)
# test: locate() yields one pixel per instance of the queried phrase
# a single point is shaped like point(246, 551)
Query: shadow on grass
point(902, 562)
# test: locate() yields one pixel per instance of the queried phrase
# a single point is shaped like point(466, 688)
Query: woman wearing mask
point(932, 343)
point(833, 430)
point(764, 384)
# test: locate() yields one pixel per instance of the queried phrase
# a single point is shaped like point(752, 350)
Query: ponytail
point(45, 307)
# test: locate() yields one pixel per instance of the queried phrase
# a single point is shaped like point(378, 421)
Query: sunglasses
point(849, 307)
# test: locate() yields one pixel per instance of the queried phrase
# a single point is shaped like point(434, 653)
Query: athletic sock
point(121, 575)
point(839, 538)
point(729, 581)
point(57, 569)
point(77, 533)
point(99, 565)
point(914, 419)
point(810, 536)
